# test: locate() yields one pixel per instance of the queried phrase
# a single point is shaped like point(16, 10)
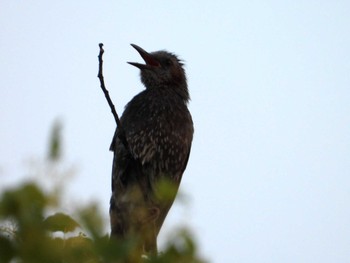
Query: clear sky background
point(269, 175)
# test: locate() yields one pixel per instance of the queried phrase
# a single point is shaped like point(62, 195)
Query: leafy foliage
point(55, 142)
point(29, 230)
point(60, 222)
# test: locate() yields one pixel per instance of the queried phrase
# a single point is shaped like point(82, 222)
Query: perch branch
point(121, 133)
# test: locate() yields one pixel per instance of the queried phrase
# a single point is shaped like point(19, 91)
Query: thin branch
point(121, 133)
point(103, 87)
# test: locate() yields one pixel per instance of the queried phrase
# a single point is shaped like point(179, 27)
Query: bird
point(150, 149)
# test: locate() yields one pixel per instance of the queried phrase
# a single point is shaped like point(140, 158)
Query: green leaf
point(7, 251)
point(55, 151)
point(60, 222)
point(26, 202)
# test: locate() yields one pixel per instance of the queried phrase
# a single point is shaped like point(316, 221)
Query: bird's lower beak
point(151, 62)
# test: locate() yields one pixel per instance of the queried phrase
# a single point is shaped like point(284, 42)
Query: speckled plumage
point(158, 128)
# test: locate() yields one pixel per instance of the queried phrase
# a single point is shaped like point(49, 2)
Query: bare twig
point(103, 87)
point(121, 133)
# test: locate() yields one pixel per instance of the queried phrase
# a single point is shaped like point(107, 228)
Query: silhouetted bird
point(147, 172)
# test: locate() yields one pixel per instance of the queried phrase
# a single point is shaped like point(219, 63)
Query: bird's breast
point(162, 137)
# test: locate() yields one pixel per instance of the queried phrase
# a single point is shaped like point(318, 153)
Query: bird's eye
point(168, 62)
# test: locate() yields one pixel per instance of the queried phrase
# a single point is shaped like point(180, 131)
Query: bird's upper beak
point(151, 62)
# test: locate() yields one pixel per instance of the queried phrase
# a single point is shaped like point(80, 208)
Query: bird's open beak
point(151, 62)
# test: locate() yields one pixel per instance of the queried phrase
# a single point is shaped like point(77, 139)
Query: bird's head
point(162, 70)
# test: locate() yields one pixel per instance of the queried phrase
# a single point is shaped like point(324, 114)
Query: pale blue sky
point(269, 175)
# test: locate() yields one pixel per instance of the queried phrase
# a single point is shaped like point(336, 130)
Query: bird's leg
point(149, 230)
point(150, 241)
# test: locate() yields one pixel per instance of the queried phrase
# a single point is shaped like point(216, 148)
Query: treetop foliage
point(33, 229)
